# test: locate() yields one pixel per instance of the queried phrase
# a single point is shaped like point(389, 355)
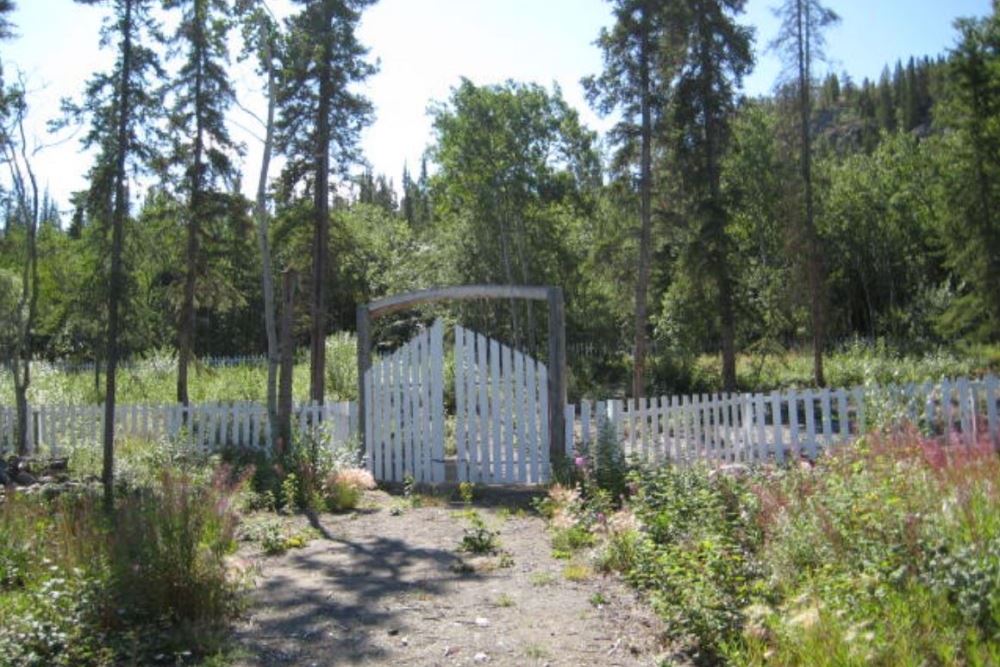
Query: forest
point(836, 238)
point(706, 222)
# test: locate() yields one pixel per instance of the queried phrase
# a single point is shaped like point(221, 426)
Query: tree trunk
point(117, 274)
point(288, 279)
point(321, 232)
point(263, 240)
point(25, 189)
point(645, 222)
point(814, 259)
point(21, 403)
point(188, 310)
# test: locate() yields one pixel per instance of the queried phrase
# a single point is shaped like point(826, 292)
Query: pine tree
point(716, 56)
point(636, 82)
point(801, 42)
point(973, 239)
point(202, 147)
point(122, 106)
point(318, 130)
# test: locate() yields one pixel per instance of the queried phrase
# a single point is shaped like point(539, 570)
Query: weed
point(535, 652)
point(467, 492)
point(505, 600)
point(478, 539)
point(541, 579)
point(577, 572)
point(290, 492)
point(598, 599)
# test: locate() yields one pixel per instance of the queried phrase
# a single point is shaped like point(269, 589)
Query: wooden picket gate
point(404, 411)
point(501, 413)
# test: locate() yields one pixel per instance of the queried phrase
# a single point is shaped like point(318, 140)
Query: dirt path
point(385, 589)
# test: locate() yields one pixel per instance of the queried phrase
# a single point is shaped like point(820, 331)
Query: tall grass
point(79, 587)
point(153, 380)
point(853, 363)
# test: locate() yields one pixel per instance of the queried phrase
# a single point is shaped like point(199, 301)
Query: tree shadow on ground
point(343, 598)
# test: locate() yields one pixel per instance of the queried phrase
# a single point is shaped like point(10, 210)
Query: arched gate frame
point(557, 378)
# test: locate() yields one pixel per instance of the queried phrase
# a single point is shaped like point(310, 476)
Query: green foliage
point(168, 551)
point(291, 493)
point(885, 552)
point(570, 539)
point(342, 367)
point(478, 538)
point(78, 588)
point(696, 557)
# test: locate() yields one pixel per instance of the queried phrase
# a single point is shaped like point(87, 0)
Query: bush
point(78, 587)
point(168, 552)
point(696, 555)
point(343, 489)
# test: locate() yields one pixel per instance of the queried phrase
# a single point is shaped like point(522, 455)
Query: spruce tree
point(636, 82)
point(318, 130)
point(202, 147)
point(123, 106)
point(800, 41)
point(716, 56)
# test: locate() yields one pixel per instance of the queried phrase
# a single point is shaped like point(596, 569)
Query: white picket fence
point(501, 413)
point(781, 426)
point(404, 421)
point(55, 429)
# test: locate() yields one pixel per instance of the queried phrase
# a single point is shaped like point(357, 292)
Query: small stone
point(405, 641)
point(482, 622)
point(25, 478)
point(480, 657)
point(393, 632)
point(450, 651)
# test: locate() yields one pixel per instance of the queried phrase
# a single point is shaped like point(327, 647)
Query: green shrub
point(697, 555)
point(566, 541)
point(168, 552)
point(478, 539)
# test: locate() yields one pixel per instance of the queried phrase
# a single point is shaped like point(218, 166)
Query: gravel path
point(392, 589)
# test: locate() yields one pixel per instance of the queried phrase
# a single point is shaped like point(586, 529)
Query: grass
point(887, 552)
point(156, 581)
point(80, 588)
point(851, 364)
point(577, 572)
point(153, 381)
point(535, 652)
point(505, 600)
point(542, 579)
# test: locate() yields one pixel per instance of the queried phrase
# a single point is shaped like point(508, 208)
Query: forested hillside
point(900, 241)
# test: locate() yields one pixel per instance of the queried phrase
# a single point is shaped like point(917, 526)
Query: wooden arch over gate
point(557, 378)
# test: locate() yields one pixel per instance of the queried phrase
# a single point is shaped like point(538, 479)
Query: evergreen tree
point(202, 147)
point(636, 82)
point(973, 235)
point(122, 106)
point(716, 55)
point(319, 125)
point(800, 41)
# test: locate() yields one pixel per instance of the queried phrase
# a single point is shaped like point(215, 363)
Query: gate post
point(364, 363)
point(557, 376)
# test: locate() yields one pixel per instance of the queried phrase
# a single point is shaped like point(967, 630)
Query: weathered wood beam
point(557, 375)
point(394, 304)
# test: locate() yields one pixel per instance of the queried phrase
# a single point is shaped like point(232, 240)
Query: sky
point(424, 47)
